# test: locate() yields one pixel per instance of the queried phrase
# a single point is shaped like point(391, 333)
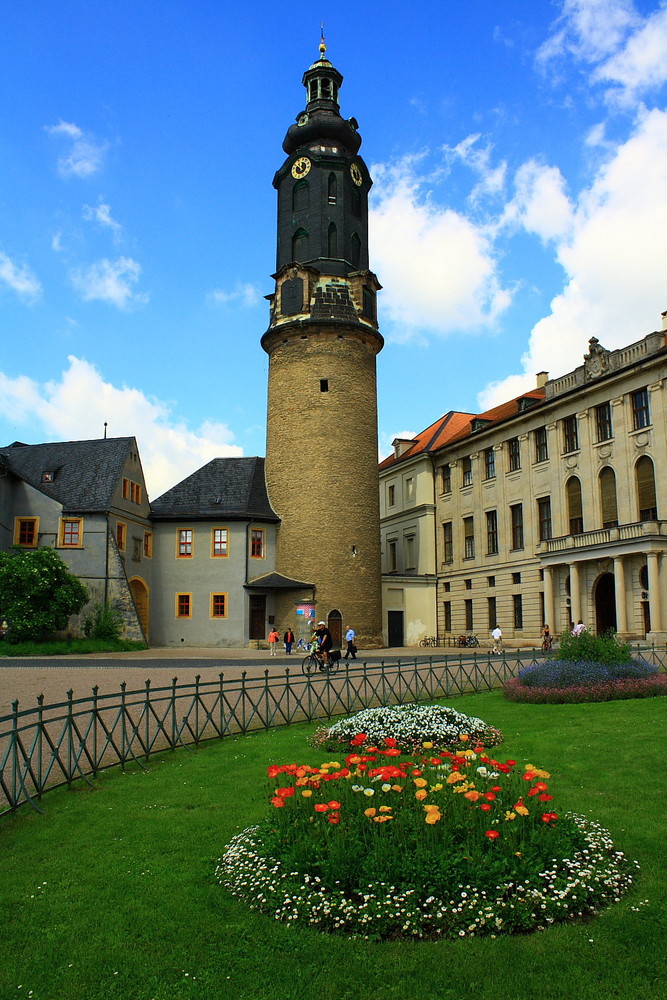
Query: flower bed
point(448, 844)
point(409, 725)
point(611, 690)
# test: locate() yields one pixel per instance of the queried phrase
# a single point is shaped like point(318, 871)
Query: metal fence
point(53, 745)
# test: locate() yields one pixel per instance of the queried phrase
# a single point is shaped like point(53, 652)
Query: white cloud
point(109, 281)
point(590, 30)
point(613, 258)
point(19, 278)
point(641, 66)
point(85, 156)
point(101, 214)
point(436, 265)
point(76, 406)
point(244, 294)
point(540, 204)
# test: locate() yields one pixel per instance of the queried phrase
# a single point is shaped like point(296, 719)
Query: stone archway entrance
point(335, 626)
point(605, 603)
point(140, 595)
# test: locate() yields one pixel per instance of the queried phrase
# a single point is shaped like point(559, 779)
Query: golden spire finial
point(323, 47)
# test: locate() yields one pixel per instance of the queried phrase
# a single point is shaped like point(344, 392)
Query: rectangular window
point(466, 466)
point(391, 496)
point(489, 463)
point(570, 435)
point(491, 532)
point(603, 422)
point(516, 512)
point(468, 538)
point(392, 558)
point(516, 577)
point(641, 416)
point(148, 544)
point(448, 616)
point(26, 531)
point(544, 518)
point(410, 548)
point(257, 543)
point(491, 581)
point(121, 535)
point(184, 605)
point(541, 446)
point(514, 454)
point(70, 532)
point(218, 605)
point(470, 624)
point(185, 539)
point(467, 584)
point(493, 621)
point(219, 542)
point(448, 541)
point(132, 491)
point(446, 478)
point(517, 600)
point(409, 489)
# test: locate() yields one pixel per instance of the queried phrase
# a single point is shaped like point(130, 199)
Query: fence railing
point(52, 745)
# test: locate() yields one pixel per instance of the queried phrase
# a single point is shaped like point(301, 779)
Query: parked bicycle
point(315, 663)
point(429, 640)
point(468, 640)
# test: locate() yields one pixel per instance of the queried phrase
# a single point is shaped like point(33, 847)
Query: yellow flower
point(433, 817)
point(421, 782)
point(537, 772)
point(522, 811)
point(509, 814)
point(431, 807)
point(454, 777)
point(382, 819)
point(427, 746)
point(438, 787)
point(421, 794)
point(397, 788)
point(370, 813)
point(472, 795)
point(385, 809)
point(307, 792)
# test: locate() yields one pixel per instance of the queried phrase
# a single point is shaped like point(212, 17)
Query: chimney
point(542, 379)
point(664, 319)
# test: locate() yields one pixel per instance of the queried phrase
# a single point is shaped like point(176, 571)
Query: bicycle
point(547, 643)
point(315, 663)
point(468, 640)
point(429, 640)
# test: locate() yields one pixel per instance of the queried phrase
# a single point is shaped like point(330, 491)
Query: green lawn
point(111, 893)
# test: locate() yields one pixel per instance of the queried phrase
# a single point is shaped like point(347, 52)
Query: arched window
point(300, 196)
point(332, 241)
point(300, 245)
point(333, 188)
point(575, 511)
point(355, 250)
point(646, 501)
point(608, 503)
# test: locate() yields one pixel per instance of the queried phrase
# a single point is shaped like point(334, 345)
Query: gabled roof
point(275, 581)
point(229, 488)
point(455, 426)
point(85, 473)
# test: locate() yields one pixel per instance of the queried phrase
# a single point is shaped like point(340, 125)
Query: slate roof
point(85, 473)
point(274, 581)
point(229, 488)
point(455, 426)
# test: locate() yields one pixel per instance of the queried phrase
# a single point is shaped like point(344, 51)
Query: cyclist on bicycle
point(325, 640)
point(546, 638)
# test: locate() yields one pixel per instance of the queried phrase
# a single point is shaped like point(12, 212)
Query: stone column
point(575, 596)
point(549, 600)
point(619, 594)
point(654, 591)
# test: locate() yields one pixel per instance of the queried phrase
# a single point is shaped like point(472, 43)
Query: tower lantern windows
point(333, 189)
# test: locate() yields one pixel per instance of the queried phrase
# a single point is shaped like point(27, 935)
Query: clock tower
point(322, 342)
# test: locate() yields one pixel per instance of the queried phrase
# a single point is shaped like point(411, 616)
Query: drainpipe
point(106, 565)
point(435, 539)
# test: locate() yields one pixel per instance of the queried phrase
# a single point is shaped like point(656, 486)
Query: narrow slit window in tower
point(324, 385)
point(332, 241)
point(333, 186)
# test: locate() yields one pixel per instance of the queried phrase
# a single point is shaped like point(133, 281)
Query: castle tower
point(322, 341)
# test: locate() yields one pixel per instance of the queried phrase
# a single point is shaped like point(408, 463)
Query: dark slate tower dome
point(322, 342)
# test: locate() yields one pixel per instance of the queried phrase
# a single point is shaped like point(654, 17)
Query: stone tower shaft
point(322, 342)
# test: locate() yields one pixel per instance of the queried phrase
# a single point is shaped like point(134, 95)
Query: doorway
point(395, 635)
point(257, 616)
point(139, 592)
point(605, 603)
point(335, 626)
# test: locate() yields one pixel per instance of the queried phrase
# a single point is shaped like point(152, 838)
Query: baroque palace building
point(243, 544)
point(546, 509)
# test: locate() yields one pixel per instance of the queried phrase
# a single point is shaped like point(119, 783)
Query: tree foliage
point(37, 593)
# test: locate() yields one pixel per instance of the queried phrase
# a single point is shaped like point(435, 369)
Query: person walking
point(579, 628)
point(288, 639)
point(351, 650)
point(497, 636)
point(274, 636)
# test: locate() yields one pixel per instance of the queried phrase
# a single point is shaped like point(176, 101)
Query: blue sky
point(519, 153)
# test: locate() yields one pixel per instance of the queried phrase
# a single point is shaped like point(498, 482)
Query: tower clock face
point(300, 167)
point(355, 174)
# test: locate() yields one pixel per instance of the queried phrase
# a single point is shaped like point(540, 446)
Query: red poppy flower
point(490, 796)
point(358, 740)
point(492, 834)
point(389, 741)
point(277, 801)
point(391, 752)
point(334, 818)
point(549, 817)
point(333, 804)
point(545, 798)
point(321, 807)
point(510, 762)
point(496, 788)
point(485, 806)
point(529, 775)
point(285, 792)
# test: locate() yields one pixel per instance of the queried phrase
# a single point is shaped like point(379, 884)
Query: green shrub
point(38, 594)
point(603, 648)
point(103, 623)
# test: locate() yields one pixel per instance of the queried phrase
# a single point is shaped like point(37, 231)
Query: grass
point(69, 647)
point(111, 893)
